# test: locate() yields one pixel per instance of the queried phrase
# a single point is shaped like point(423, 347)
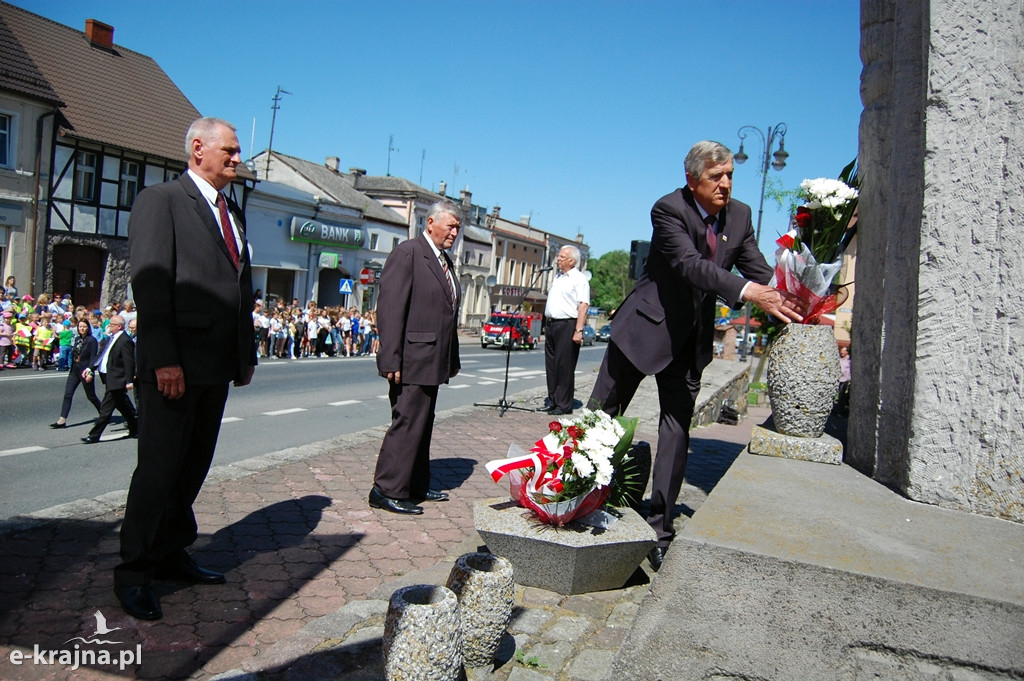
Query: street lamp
point(768, 159)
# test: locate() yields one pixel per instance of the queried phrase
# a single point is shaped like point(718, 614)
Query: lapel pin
point(725, 238)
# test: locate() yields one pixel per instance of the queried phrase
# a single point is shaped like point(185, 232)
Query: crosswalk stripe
point(344, 403)
point(21, 450)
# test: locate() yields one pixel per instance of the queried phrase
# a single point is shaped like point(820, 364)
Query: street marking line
point(487, 383)
point(282, 412)
point(230, 419)
point(456, 387)
point(22, 450)
point(344, 403)
point(382, 397)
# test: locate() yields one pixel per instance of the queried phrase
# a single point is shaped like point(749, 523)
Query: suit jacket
point(670, 312)
point(416, 321)
point(194, 306)
point(89, 353)
point(120, 362)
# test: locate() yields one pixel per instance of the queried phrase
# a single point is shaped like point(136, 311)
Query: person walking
point(192, 283)
point(84, 353)
point(116, 369)
point(418, 307)
point(566, 312)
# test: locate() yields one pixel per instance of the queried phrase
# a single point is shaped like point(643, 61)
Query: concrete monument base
point(821, 449)
point(578, 558)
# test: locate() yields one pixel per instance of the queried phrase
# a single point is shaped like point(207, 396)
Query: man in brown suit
point(665, 327)
point(417, 319)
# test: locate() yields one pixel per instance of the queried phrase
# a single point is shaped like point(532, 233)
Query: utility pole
point(423, 158)
point(273, 120)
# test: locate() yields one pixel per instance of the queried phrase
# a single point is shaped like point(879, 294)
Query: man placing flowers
point(665, 327)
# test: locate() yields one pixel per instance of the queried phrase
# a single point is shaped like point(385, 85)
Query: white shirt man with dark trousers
point(566, 314)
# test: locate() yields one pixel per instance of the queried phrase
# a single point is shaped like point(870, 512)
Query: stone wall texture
point(937, 400)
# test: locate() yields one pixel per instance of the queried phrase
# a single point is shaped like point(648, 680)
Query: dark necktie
point(451, 286)
point(225, 228)
point(710, 235)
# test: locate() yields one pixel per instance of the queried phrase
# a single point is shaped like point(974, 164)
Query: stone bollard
point(484, 586)
point(422, 635)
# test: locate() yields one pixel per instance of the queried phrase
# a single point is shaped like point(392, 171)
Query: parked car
point(588, 335)
point(604, 334)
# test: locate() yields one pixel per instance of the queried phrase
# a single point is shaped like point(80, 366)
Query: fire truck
point(522, 330)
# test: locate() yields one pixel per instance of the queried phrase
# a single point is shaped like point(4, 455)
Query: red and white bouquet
point(569, 472)
point(810, 255)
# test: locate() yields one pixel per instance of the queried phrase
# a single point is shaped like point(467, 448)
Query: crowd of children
point(38, 333)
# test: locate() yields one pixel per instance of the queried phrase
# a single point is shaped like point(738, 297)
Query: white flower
point(584, 466)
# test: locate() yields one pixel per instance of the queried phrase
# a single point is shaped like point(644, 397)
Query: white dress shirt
point(567, 291)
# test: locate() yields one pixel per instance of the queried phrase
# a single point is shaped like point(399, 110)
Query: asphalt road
point(290, 403)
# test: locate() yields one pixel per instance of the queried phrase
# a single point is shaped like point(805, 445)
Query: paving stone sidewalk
point(310, 566)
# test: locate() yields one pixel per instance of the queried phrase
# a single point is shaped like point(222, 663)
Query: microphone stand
point(503, 404)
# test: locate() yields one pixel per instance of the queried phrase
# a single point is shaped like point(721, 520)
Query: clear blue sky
point(577, 113)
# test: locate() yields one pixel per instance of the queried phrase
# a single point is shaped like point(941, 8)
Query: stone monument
point(937, 391)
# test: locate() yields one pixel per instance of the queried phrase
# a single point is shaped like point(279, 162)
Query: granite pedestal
point(822, 449)
point(574, 559)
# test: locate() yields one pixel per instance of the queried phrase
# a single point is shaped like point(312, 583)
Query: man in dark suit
point(417, 319)
point(116, 369)
point(665, 327)
point(193, 286)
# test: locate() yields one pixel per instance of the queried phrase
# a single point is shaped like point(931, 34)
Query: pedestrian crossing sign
point(346, 286)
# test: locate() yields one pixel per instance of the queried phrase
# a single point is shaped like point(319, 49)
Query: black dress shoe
point(559, 412)
point(378, 500)
point(90, 440)
point(548, 405)
point(139, 601)
point(436, 495)
point(656, 557)
point(59, 425)
point(188, 572)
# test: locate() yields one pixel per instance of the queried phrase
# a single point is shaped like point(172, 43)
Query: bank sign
point(315, 232)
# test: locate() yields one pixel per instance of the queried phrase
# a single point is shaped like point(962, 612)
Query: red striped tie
point(225, 228)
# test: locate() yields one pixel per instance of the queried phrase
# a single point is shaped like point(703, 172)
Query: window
point(85, 176)
point(373, 241)
point(6, 132)
point(129, 185)
point(394, 243)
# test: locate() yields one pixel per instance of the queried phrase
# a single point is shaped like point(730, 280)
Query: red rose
point(803, 217)
point(575, 432)
point(555, 427)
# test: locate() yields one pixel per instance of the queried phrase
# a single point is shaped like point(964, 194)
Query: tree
point(611, 282)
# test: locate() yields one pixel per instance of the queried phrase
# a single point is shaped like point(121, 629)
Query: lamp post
point(768, 159)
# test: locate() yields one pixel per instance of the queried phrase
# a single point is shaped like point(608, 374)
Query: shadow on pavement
point(54, 577)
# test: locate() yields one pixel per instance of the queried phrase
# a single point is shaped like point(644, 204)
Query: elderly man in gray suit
point(417, 319)
point(665, 327)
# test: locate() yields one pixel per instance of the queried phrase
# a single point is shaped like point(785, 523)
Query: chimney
point(99, 34)
point(466, 196)
point(524, 220)
point(357, 172)
point(332, 162)
point(443, 191)
point(496, 212)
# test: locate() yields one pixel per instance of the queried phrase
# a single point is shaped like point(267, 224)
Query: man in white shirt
point(566, 313)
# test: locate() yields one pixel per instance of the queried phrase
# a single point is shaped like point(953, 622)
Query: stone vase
point(803, 378)
point(422, 635)
point(484, 586)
